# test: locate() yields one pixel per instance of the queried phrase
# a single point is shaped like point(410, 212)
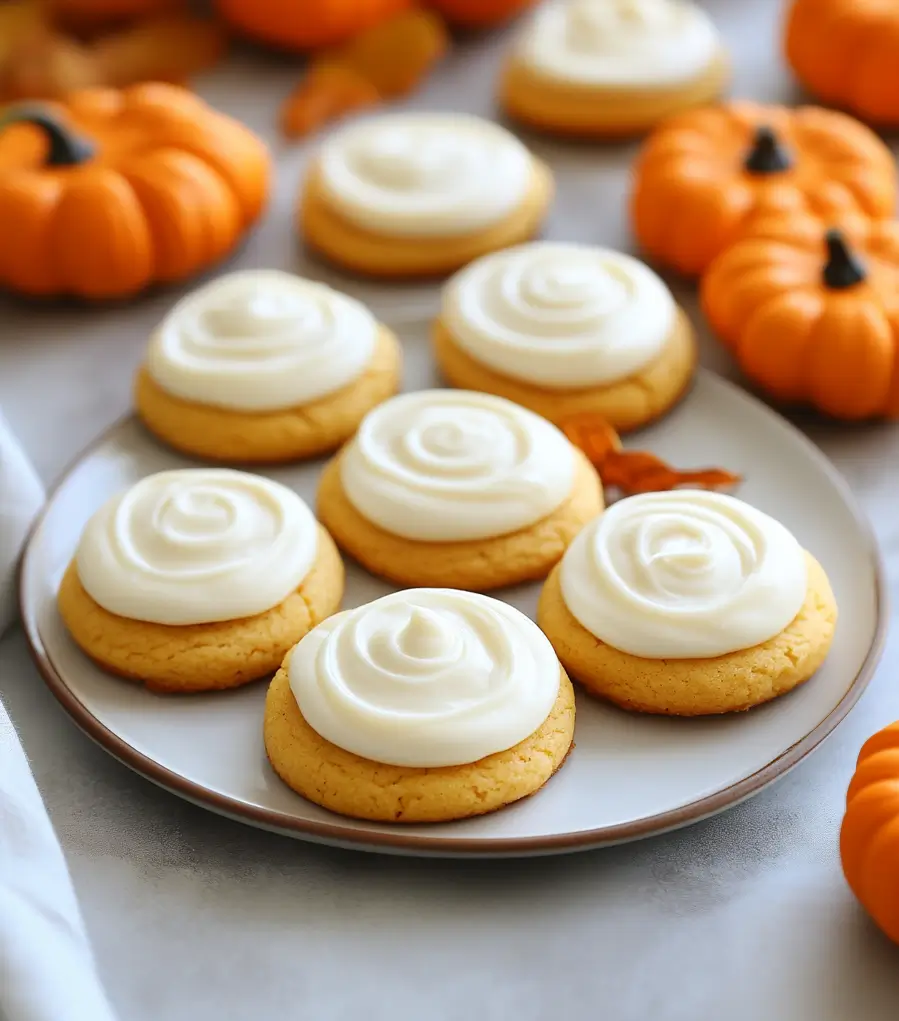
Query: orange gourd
point(118, 189)
point(869, 838)
point(479, 13)
point(704, 176)
point(847, 53)
point(307, 24)
point(812, 315)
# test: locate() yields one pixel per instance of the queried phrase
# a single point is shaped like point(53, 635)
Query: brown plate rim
point(345, 834)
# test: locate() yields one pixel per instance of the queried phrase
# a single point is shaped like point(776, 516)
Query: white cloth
point(21, 497)
point(47, 972)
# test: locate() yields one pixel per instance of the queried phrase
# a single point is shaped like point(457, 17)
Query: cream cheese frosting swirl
point(449, 465)
point(425, 175)
point(623, 43)
point(197, 546)
point(261, 340)
point(562, 316)
point(684, 575)
point(426, 678)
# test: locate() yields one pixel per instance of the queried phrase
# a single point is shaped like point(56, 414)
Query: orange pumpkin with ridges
point(307, 24)
point(704, 176)
point(812, 315)
point(869, 838)
point(115, 190)
point(847, 53)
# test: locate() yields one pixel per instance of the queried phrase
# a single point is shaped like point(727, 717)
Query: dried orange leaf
point(327, 92)
point(396, 54)
point(169, 49)
point(47, 66)
point(593, 435)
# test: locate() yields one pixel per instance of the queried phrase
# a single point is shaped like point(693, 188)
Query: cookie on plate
point(688, 604)
point(420, 194)
point(565, 330)
point(612, 68)
point(457, 490)
point(425, 706)
point(198, 580)
point(262, 367)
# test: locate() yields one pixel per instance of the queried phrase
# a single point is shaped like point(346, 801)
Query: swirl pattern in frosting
point(261, 340)
point(197, 546)
point(624, 43)
point(563, 316)
point(426, 678)
point(450, 465)
point(425, 175)
point(684, 575)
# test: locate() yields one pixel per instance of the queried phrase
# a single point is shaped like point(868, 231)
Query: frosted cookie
point(415, 194)
point(565, 330)
point(197, 580)
point(457, 490)
point(424, 706)
point(264, 366)
point(609, 68)
point(688, 604)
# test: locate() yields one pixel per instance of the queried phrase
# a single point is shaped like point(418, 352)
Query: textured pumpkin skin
point(847, 53)
point(869, 838)
point(797, 339)
point(479, 13)
point(693, 197)
point(307, 24)
point(171, 190)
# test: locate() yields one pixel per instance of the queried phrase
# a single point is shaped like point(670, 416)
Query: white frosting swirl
point(684, 575)
point(261, 340)
point(560, 315)
point(426, 678)
point(449, 465)
point(425, 175)
point(197, 546)
point(623, 43)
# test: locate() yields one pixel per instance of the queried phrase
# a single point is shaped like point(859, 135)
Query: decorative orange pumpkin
point(703, 176)
point(115, 190)
point(812, 315)
point(307, 24)
point(479, 13)
point(869, 839)
point(847, 53)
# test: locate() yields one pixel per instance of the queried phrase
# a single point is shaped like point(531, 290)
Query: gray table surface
point(193, 917)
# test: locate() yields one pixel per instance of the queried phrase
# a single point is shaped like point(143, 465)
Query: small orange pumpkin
point(118, 189)
point(869, 838)
point(703, 176)
point(479, 13)
point(307, 24)
point(812, 315)
point(847, 53)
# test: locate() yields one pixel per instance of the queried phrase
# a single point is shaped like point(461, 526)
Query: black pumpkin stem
point(65, 148)
point(844, 268)
point(767, 155)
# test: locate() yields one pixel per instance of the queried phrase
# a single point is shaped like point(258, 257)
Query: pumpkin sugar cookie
point(704, 178)
point(847, 278)
point(455, 489)
point(567, 330)
point(180, 185)
point(612, 68)
point(263, 366)
point(415, 194)
point(428, 705)
point(688, 604)
point(199, 580)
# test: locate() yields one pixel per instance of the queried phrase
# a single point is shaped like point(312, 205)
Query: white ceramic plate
point(628, 777)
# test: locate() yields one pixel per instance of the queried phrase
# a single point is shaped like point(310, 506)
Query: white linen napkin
point(47, 972)
point(21, 497)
